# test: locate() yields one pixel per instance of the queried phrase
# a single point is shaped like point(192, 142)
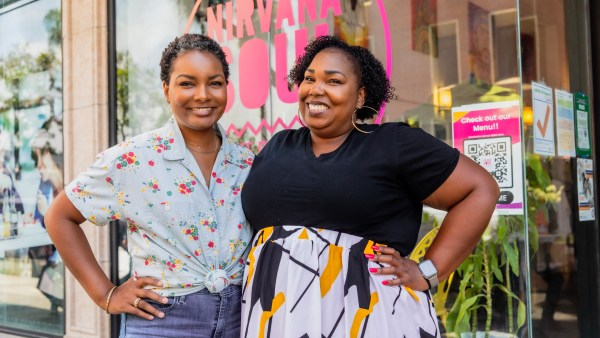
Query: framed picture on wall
point(479, 43)
point(423, 14)
point(445, 65)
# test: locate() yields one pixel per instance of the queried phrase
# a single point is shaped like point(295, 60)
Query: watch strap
point(428, 282)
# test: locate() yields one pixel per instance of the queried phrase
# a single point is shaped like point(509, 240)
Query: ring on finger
point(137, 302)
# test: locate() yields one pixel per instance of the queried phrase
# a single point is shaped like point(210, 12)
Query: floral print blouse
point(179, 231)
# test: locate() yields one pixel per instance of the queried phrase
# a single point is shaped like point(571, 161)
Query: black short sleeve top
point(371, 186)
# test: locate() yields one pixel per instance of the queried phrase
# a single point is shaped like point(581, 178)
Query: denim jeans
point(200, 314)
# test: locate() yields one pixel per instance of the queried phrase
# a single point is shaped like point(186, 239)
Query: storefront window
point(456, 70)
point(464, 71)
point(446, 60)
point(261, 51)
point(31, 157)
point(559, 165)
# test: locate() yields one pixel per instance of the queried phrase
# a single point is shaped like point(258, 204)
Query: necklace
point(196, 148)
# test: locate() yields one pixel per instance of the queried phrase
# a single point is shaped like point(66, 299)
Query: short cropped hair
point(189, 43)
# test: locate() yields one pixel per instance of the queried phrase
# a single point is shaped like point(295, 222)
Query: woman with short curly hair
point(369, 71)
point(336, 206)
point(177, 188)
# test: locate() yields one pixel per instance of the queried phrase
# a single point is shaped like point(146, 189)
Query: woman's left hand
point(406, 270)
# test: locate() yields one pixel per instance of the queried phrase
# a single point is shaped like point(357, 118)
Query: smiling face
point(330, 93)
point(197, 91)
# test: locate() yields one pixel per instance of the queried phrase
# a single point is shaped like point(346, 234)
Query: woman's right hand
point(62, 223)
point(124, 298)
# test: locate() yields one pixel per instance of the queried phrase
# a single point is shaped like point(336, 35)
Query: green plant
point(495, 261)
point(490, 268)
point(541, 195)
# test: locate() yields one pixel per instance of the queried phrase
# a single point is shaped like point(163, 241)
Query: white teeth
point(317, 107)
point(203, 110)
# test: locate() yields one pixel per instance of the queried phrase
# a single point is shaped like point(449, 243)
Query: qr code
point(495, 155)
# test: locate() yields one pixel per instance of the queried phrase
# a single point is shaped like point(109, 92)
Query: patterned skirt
point(308, 282)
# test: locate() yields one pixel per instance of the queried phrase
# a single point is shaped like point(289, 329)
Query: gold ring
point(136, 302)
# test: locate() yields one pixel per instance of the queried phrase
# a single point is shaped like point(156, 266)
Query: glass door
point(559, 165)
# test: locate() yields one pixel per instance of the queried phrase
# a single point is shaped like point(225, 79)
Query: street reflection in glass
point(32, 296)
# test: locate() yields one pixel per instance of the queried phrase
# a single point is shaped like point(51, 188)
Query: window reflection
point(31, 159)
point(442, 55)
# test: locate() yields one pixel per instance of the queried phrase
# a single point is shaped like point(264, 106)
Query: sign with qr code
point(490, 134)
point(495, 155)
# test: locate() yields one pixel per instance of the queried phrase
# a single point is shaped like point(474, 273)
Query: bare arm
point(63, 224)
point(469, 195)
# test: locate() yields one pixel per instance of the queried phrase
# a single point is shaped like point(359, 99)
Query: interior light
point(527, 115)
point(445, 98)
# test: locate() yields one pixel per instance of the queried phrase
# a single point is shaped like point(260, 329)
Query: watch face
point(428, 269)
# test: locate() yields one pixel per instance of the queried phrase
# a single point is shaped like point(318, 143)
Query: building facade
point(510, 83)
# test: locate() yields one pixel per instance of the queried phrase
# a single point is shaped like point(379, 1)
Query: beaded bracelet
point(108, 298)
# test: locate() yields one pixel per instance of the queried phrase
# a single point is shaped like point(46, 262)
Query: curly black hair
point(188, 43)
point(371, 73)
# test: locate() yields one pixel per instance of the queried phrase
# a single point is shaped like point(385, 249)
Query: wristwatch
point(429, 272)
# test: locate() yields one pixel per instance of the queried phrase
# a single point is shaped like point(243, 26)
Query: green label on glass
point(582, 126)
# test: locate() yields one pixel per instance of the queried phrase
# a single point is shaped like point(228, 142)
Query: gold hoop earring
point(300, 118)
point(373, 109)
point(354, 124)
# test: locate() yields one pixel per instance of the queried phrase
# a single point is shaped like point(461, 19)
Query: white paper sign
point(565, 123)
point(543, 120)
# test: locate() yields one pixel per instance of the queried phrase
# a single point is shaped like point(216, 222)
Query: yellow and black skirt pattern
point(308, 282)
